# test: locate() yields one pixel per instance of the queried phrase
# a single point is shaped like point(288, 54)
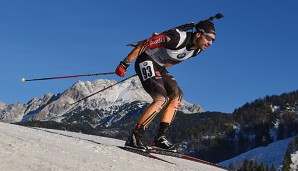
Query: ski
point(155, 150)
point(139, 151)
point(142, 152)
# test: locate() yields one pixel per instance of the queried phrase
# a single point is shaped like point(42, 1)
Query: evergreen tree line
point(250, 165)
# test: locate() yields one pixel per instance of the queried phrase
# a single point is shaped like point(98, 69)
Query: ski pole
point(69, 76)
point(102, 90)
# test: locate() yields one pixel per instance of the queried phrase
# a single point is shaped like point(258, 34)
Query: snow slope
point(23, 148)
point(271, 154)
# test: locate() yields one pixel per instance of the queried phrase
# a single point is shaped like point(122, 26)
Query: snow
point(23, 148)
point(294, 158)
point(271, 154)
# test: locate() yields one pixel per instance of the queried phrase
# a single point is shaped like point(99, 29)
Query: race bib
point(147, 70)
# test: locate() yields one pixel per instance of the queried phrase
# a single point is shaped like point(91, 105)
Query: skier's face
point(204, 40)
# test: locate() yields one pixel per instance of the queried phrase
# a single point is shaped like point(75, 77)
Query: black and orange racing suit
point(150, 67)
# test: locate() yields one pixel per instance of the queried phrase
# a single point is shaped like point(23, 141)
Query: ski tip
point(23, 79)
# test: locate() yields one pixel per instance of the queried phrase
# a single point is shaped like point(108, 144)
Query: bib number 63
point(147, 69)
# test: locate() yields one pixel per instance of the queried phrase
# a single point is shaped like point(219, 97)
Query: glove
point(122, 67)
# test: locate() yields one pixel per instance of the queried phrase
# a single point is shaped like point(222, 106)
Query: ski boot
point(161, 141)
point(163, 144)
point(134, 140)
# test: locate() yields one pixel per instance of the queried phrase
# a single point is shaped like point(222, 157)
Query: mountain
point(105, 104)
point(27, 149)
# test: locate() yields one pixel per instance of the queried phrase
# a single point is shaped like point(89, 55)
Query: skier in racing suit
point(154, 55)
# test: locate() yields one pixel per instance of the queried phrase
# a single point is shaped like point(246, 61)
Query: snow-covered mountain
point(27, 149)
point(56, 106)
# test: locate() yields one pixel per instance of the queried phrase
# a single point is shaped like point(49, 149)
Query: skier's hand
point(121, 68)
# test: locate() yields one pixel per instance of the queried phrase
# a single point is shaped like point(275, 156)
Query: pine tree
point(272, 168)
point(286, 162)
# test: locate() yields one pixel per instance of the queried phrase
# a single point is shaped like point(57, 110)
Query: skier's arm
point(123, 66)
point(139, 49)
point(156, 41)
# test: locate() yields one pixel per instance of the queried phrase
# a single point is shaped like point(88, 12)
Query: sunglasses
point(208, 37)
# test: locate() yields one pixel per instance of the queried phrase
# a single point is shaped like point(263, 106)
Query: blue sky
point(254, 54)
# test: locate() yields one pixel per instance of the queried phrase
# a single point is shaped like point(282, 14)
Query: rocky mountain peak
point(55, 106)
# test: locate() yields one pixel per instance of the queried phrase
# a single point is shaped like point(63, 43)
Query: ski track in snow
point(30, 149)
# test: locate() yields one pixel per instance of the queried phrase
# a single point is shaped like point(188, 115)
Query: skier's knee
point(160, 101)
point(177, 94)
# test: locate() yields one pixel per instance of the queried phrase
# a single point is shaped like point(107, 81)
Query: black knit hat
point(205, 26)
